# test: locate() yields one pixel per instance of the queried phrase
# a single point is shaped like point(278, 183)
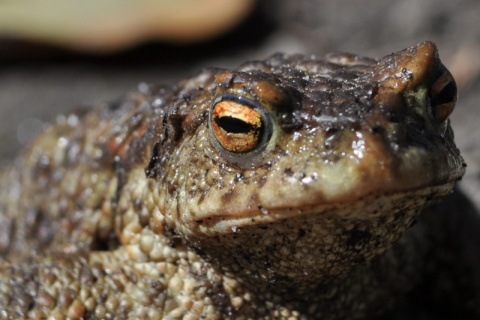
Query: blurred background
point(57, 55)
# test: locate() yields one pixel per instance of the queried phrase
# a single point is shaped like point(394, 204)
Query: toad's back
point(262, 192)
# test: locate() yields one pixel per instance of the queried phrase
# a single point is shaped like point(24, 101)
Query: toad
point(297, 187)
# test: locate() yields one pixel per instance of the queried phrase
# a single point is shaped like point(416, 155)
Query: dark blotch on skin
point(356, 236)
point(288, 172)
point(229, 196)
point(301, 233)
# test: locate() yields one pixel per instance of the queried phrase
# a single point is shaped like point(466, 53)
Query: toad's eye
point(239, 124)
point(444, 95)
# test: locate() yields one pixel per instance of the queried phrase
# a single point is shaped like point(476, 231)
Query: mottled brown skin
point(165, 205)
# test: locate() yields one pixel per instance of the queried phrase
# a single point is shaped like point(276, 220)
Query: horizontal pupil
point(446, 95)
point(233, 125)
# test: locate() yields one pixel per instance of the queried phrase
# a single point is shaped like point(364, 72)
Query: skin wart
point(285, 189)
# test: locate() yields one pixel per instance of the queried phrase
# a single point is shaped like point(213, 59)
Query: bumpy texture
point(282, 189)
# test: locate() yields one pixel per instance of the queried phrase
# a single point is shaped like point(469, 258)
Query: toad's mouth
point(366, 208)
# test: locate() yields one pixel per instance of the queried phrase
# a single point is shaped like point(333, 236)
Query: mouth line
point(365, 208)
